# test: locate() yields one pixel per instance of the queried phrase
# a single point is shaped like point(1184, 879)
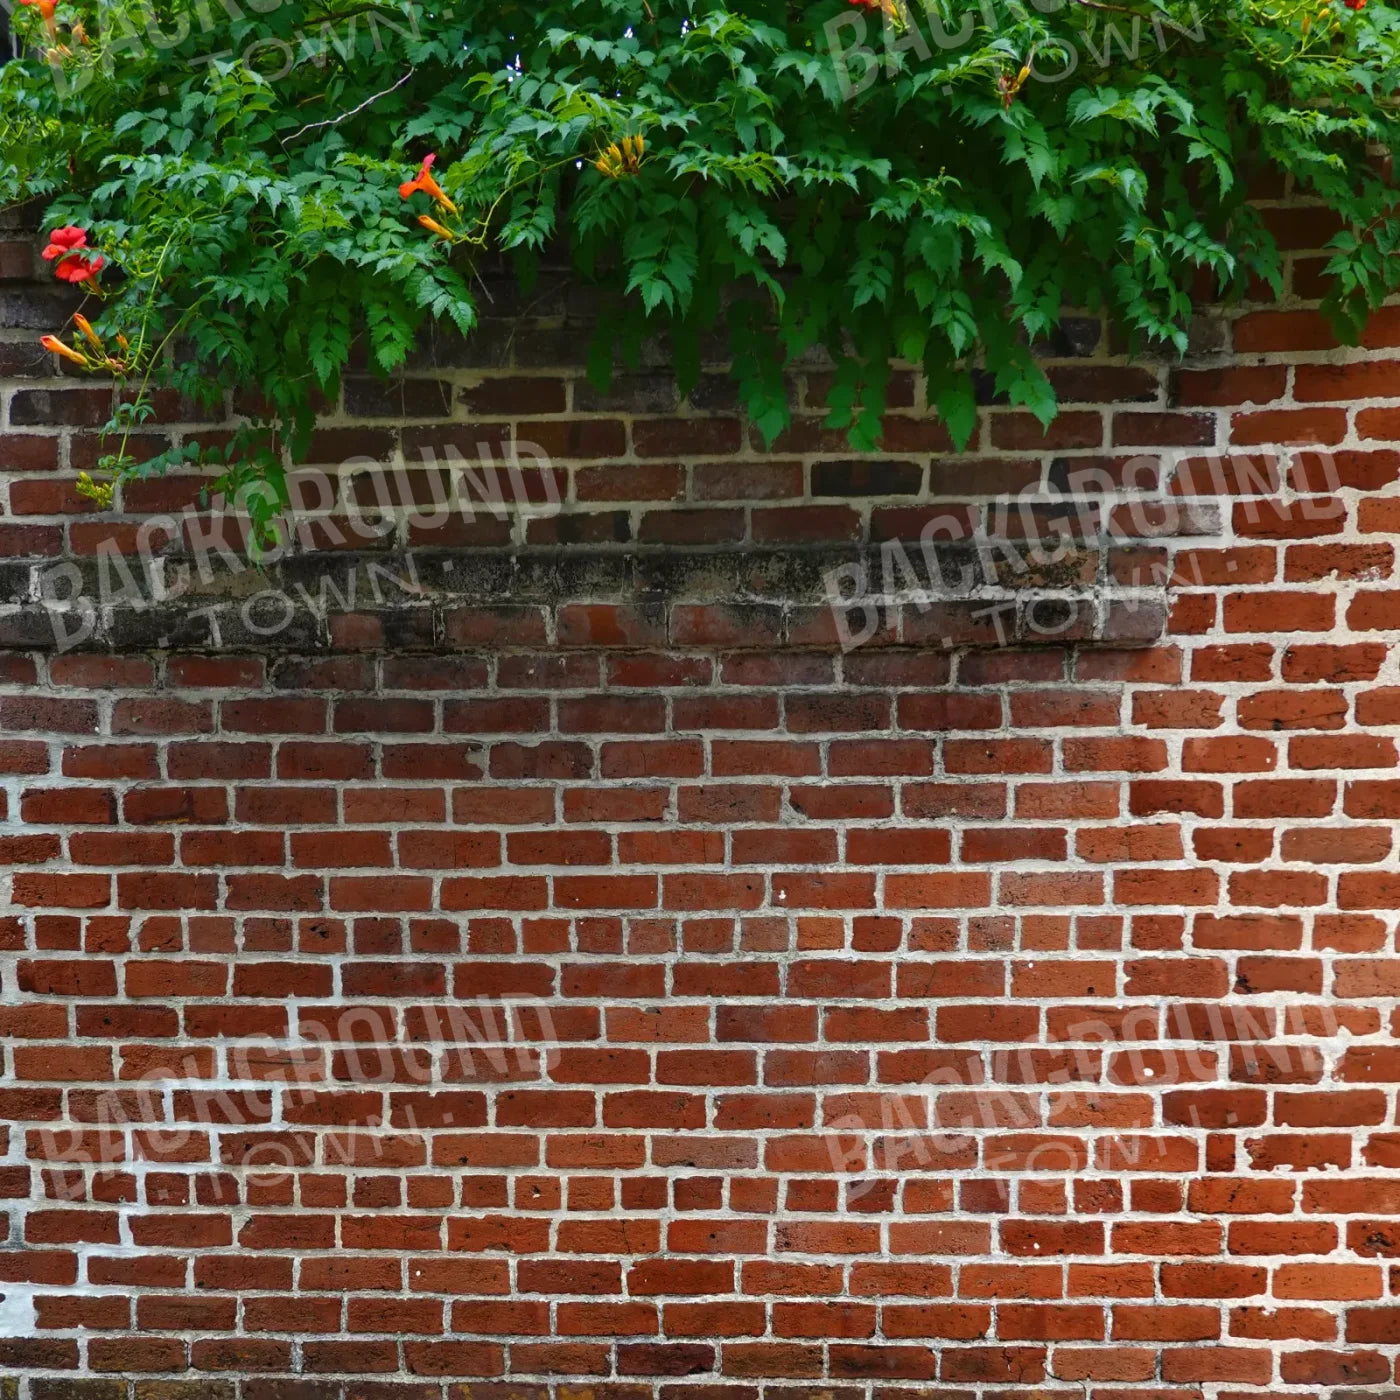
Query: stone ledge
point(422, 600)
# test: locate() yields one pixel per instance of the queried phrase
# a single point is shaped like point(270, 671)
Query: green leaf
point(951, 392)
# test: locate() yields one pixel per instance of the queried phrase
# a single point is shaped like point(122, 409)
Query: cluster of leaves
point(931, 184)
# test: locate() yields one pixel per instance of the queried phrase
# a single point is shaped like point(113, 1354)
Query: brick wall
point(554, 962)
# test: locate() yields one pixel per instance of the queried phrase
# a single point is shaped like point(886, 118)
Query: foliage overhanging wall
point(237, 187)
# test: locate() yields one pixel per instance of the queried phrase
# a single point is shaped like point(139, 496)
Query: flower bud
point(433, 226)
point(86, 331)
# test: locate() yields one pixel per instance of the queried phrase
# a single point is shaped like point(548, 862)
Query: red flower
point(63, 241)
point(1354, 4)
point(424, 181)
point(46, 8)
point(76, 261)
point(79, 267)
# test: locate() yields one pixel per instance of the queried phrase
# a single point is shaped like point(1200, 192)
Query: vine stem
point(141, 339)
point(345, 116)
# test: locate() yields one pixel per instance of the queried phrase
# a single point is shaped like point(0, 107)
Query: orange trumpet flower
point(53, 344)
point(424, 181)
